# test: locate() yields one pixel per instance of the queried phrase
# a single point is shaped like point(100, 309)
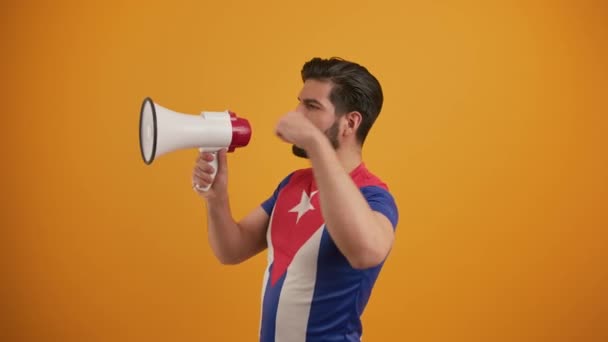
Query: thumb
point(222, 161)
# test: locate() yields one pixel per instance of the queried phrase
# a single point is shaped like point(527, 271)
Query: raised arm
point(232, 242)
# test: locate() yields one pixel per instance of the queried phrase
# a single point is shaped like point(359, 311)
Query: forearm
point(349, 220)
point(224, 234)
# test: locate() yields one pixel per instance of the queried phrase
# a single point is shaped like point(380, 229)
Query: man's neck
point(349, 158)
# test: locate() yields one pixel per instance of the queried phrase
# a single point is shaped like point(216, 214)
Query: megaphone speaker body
point(162, 130)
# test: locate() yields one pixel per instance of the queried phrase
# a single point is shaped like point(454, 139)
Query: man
point(328, 229)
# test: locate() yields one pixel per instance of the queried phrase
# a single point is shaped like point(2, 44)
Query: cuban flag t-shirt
point(310, 292)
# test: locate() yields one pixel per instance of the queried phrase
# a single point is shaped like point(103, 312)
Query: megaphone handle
point(213, 164)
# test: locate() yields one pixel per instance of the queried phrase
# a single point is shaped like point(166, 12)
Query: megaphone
point(162, 130)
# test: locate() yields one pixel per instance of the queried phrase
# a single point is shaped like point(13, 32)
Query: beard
point(331, 133)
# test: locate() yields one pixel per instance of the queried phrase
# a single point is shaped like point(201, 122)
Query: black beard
point(299, 152)
point(331, 133)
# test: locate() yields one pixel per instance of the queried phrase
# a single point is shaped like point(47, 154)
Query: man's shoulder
point(363, 177)
point(377, 194)
point(302, 174)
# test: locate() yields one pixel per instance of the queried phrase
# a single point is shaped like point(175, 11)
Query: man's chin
point(299, 152)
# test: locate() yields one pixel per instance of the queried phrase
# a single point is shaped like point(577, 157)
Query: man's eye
point(310, 106)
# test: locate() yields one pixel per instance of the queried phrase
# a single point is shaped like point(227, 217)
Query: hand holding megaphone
point(162, 130)
point(207, 172)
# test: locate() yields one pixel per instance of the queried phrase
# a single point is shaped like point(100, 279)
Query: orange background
point(492, 139)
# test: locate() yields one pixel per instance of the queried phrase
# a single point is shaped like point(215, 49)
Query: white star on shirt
point(304, 206)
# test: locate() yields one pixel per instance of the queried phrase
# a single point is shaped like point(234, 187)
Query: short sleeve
point(268, 204)
point(380, 200)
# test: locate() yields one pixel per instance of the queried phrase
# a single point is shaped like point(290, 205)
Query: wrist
point(216, 200)
point(316, 143)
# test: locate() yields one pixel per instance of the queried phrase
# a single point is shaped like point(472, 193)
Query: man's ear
point(353, 121)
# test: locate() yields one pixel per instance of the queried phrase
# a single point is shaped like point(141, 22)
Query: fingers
point(280, 136)
point(202, 179)
point(205, 156)
point(280, 130)
point(204, 167)
point(202, 175)
point(197, 173)
point(202, 161)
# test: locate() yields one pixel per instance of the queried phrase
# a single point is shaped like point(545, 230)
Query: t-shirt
point(310, 292)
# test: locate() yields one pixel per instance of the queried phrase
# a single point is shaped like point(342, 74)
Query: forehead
point(317, 90)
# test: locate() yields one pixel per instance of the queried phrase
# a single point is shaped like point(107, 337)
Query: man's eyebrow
point(311, 101)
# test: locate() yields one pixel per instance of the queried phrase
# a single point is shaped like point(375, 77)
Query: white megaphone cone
point(162, 130)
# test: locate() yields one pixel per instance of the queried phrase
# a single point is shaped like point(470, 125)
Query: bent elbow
point(362, 264)
point(366, 260)
point(227, 262)
point(226, 259)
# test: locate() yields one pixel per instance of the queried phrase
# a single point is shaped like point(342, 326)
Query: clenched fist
point(202, 175)
point(296, 128)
